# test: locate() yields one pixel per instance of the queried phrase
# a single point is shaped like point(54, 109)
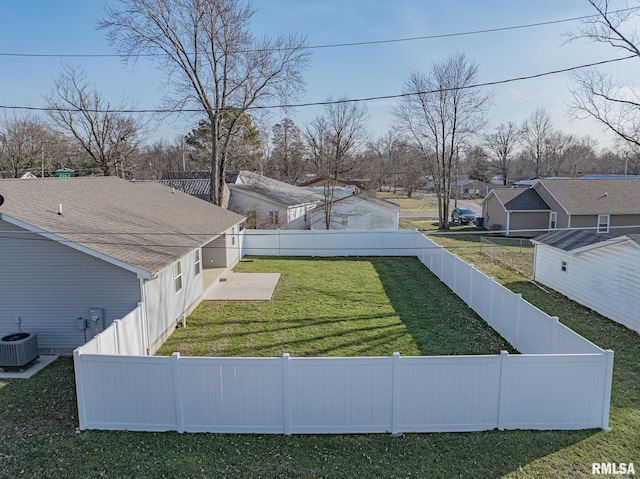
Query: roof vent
point(60, 209)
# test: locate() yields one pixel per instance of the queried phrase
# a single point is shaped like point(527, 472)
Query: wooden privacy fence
point(562, 381)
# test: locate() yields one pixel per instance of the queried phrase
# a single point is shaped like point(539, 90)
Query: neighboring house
point(269, 203)
point(599, 272)
point(352, 209)
point(102, 244)
point(607, 206)
point(514, 209)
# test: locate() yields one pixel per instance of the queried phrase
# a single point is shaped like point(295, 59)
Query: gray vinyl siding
point(618, 224)
point(494, 213)
point(50, 285)
point(603, 279)
point(165, 306)
point(528, 222)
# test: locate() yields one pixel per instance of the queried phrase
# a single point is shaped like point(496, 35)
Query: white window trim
point(564, 266)
point(553, 220)
point(177, 276)
point(604, 229)
point(197, 263)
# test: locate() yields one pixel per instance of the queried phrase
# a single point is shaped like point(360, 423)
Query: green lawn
point(339, 307)
point(38, 421)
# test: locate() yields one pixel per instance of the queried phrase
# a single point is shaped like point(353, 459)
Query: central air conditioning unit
point(18, 350)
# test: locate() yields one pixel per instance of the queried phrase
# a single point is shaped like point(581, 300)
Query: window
point(233, 236)
point(177, 275)
point(273, 218)
point(554, 220)
point(196, 262)
point(563, 267)
point(603, 223)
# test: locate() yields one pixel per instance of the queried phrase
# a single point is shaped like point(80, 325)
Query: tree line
point(213, 64)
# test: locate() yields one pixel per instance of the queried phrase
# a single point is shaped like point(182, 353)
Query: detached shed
point(599, 272)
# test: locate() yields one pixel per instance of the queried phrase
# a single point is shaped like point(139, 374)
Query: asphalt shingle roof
point(144, 225)
point(569, 240)
point(516, 199)
point(583, 196)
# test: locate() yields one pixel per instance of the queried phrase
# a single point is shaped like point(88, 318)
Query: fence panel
point(533, 330)
point(452, 393)
point(554, 392)
point(341, 395)
point(126, 392)
point(567, 341)
point(231, 394)
point(480, 298)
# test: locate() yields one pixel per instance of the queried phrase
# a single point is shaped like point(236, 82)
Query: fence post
point(286, 393)
point(554, 334)
point(177, 390)
point(608, 380)
point(82, 411)
point(504, 357)
point(116, 325)
point(517, 331)
point(395, 395)
point(471, 279)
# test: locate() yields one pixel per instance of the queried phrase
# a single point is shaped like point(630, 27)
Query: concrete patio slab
point(244, 287)
point(38, 365)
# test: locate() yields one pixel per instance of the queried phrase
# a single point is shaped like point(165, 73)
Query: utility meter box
point(96, 320)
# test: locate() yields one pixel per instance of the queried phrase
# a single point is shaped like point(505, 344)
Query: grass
point(339, 307)
point(38, 437)
point(415, 204)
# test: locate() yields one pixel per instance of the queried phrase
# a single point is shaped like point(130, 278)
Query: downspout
point(144, 318)
point(508, 221)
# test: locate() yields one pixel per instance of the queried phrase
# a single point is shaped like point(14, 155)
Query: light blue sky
point(68, 27)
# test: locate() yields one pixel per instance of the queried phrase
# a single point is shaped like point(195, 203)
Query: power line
point(327, 45)
point(331, 102)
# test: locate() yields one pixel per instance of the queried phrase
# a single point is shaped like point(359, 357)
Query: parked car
point(462, 216)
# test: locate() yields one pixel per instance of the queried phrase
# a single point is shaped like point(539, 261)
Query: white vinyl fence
point(562, 381)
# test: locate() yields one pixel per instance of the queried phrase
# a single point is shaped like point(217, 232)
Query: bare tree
point(20, 145)
point(595, 94)
point(212, 60)
point(440, 113)
point(287, 155)
point(558, 150)
point(501, 145)
point(78, 110)
point(334, 142)
point(536, 131)
point(390, 154)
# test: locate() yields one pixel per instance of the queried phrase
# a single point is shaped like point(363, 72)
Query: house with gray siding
point(604, 206)
point(514, 209)
point(592, 269)
point(78, 253)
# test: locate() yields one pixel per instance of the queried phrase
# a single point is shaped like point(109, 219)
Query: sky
point(67, 27)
